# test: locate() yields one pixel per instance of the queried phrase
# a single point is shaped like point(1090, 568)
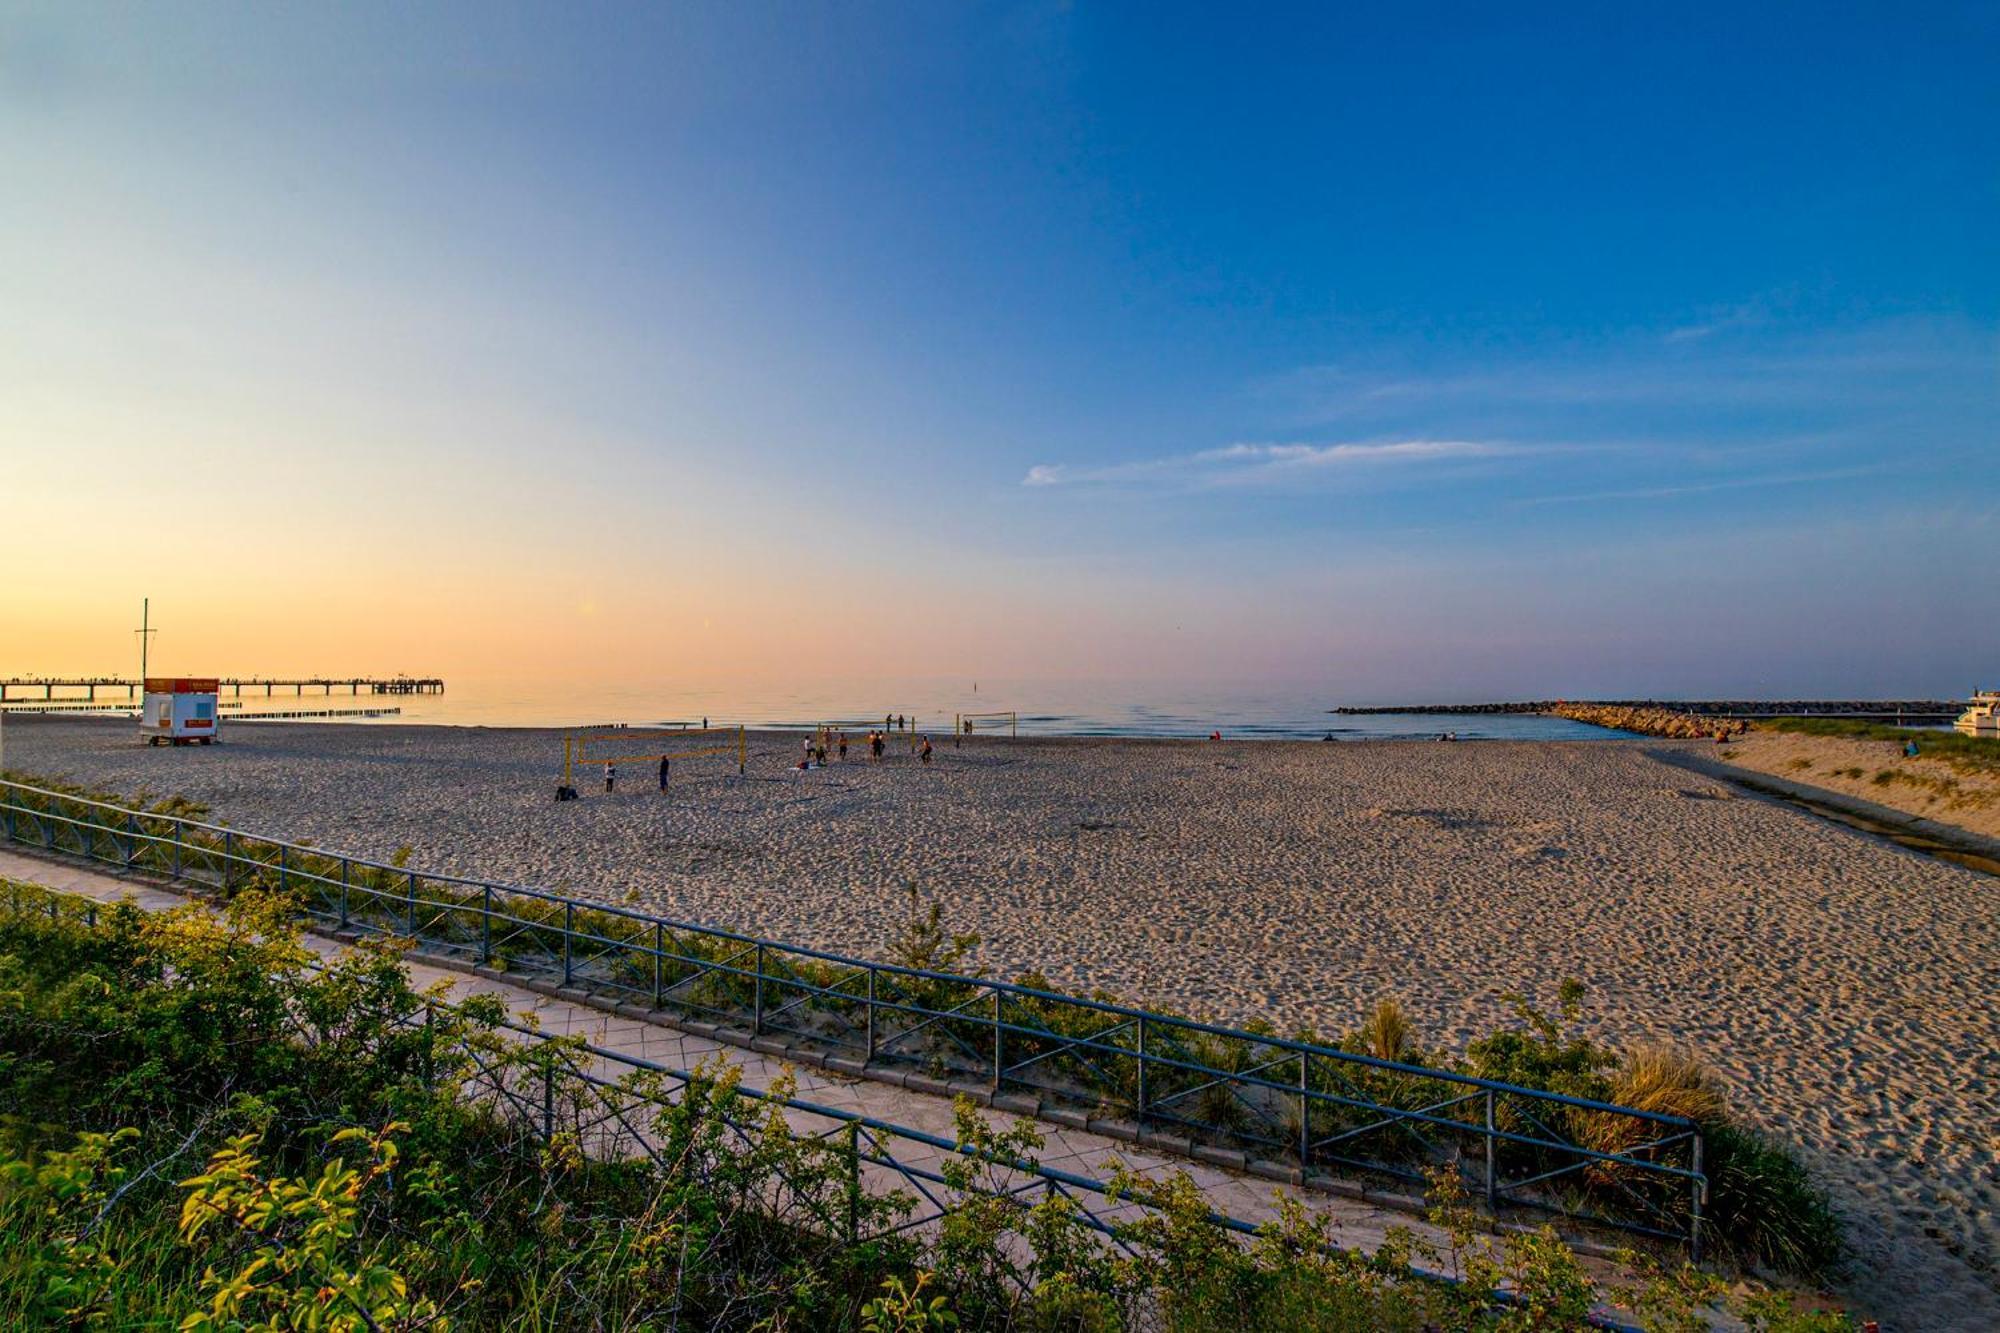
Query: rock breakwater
point(1650, 720)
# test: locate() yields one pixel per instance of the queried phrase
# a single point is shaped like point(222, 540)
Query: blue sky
point(1460, 350)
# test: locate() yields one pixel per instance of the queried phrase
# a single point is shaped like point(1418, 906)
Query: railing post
point(757, 998)
point(869, 1055)
point(659, 961)
point(180, 837)
point(346, 866)
point(569, 936)
point(853, 1181)
point(486, 925)
point(1492, 1191)
point(1141, 1108)
point(413, 904)
point(999, 1038)
point(430, 1045)
point(1700, 1190)
point(228, 859)
point(1305, 1113)
point(131, 838)
point(281, 867)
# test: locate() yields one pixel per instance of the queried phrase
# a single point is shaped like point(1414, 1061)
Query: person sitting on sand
point(1910, 748)
point(610, 777)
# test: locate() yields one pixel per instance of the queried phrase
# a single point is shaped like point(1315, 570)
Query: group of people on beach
point(818, 745)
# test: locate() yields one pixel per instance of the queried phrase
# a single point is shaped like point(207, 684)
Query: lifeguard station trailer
point(179, 710)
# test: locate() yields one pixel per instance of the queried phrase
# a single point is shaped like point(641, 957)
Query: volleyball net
point(635, 745)
point(964, 724)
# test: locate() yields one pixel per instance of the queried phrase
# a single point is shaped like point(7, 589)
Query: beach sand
point(1844, 989)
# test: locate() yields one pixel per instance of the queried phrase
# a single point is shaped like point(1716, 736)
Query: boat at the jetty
point(1982, 718)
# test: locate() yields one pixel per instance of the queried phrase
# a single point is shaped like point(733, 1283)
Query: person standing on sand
point(610, 777)
point(875, 746)
point(925, 753)
point(665, 765)
point(840, 740)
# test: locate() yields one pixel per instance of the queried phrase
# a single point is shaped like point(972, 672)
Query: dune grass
point(1968, 754)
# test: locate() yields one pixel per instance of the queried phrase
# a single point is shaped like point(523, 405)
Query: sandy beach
point(1845, 989)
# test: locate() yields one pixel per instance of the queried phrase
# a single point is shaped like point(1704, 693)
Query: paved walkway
point(1358, 1224)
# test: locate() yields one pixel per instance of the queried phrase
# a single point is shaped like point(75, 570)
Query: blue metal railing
point(1280, 1107)
point(617, 1107)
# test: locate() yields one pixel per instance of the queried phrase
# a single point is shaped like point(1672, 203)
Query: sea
point(1038, 708)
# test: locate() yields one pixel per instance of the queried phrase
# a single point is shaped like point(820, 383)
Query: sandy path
point(1845, 989)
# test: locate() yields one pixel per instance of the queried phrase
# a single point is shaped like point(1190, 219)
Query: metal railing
point(1283, 1108)
point(607, 1102)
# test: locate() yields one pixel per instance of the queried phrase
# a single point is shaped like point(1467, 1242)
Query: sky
point(1459, 351)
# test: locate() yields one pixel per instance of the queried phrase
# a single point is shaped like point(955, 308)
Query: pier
point(24, 689)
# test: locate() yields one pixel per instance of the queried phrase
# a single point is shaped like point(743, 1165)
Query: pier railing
point(1286, 1109)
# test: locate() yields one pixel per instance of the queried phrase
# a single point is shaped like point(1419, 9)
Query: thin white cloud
point(1241, 464)
point(1704, 487)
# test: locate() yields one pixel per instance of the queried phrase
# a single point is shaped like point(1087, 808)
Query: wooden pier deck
point(21, 689)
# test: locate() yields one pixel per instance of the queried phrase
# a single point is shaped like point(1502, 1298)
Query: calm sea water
point(1045, 708)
